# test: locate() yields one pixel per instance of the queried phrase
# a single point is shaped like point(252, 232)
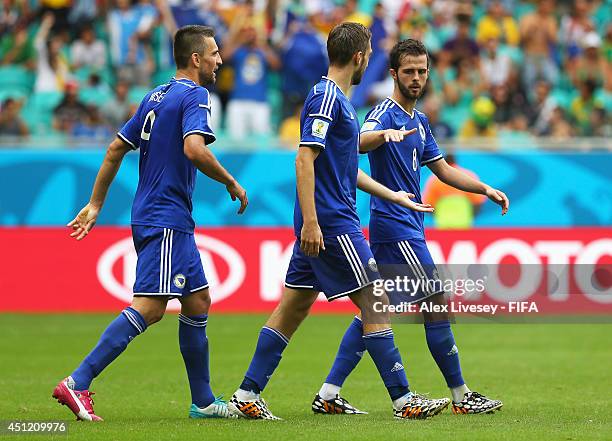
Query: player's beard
point(206, 78)
point(407, 93)
point(357, 76)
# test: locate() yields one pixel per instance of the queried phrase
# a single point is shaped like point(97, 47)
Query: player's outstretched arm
point(462, 181)
point(196, 151)
point(369, 185)
point(311, 235)
point(373, 139)
point(86, 219)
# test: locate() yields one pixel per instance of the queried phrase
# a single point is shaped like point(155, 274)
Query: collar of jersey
point(333, 82)
point(184, 79)
point(400, 106)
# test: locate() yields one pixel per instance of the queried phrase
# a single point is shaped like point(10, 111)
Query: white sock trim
point(401, 401)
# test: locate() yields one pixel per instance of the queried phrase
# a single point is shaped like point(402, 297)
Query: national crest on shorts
point(372, 264)
point(179, 281)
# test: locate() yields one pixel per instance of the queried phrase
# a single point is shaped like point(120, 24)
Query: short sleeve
point(431, 151)
point(196, 115)
point(130, 132)
point(375, 120)
point(320, 112)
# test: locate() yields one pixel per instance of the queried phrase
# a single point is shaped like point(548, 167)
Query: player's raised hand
point(237, 192)
point(500, 198)
point(84, 221)
point(405, 200)
point(311, 239)
point(392, 135)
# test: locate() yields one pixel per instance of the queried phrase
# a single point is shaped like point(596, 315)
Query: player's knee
point(153, 316)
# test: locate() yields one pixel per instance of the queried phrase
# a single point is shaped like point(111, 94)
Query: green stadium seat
point(136, 94)
point(12, 76)
point(38, 111)
point(162, 76)
point(95, 96)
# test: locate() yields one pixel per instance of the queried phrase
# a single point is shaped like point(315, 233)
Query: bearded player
point(397, 234)
point(171, 129)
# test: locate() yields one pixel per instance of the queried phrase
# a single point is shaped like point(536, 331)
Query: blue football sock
point(349, 354)
point(442, 346)
point(388, 361)
point(270, 347)
point(194, 349)
point(127, 326)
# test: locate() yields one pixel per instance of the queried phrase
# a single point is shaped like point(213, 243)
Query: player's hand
point(84, 221)
point(311, 239)
point(237, 192)
point(499, 197)
point(405, 200)
point(392, 135)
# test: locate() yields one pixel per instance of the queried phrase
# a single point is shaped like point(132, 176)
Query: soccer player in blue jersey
point(397, 234)
point(171, 129)
point(331, 253)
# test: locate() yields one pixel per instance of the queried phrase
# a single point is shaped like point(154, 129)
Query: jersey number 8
point(414, 159)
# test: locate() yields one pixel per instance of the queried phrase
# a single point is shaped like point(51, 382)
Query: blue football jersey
point(397, 165)
point(167, 115)
point(329, 122)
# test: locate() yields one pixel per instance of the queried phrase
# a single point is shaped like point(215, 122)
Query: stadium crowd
point(499, 69)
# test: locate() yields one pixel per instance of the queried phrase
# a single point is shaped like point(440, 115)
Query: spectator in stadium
point(560, 129)
point(70, 111)
point(590, 64)
point(583, 106)
point(128, 27)
point(18, 48)
point(495, 66)
point(498, 24)
point(542, 108)
point(12, 14)
point(91, 126)
point(538, 39)
point(52, 70)
point(439, 128)
point(289, 130)
point(353, 14)
point(116, 111)
point(504, 110)
point(248, 110)
point(454, 209)
point(59, 9)
point(480, 124)
point(462, 47)
point(88, 50)
point(574, 27)
point(304, 61)
point(11, 123)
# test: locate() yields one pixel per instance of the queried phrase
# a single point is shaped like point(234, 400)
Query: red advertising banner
point(43, 270)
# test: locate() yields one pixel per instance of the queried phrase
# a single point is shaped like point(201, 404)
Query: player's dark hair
point(345, 40)
point(189, 40)
point(410, 47)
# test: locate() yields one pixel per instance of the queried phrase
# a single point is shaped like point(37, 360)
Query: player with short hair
point(331, 253)
point(396, 234)
point(171, 129)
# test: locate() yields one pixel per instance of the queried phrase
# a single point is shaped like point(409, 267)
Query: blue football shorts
point(408, 259)
point(168, 263)
point(345, 266)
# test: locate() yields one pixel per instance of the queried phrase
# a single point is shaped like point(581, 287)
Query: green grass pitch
point(555, 381)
